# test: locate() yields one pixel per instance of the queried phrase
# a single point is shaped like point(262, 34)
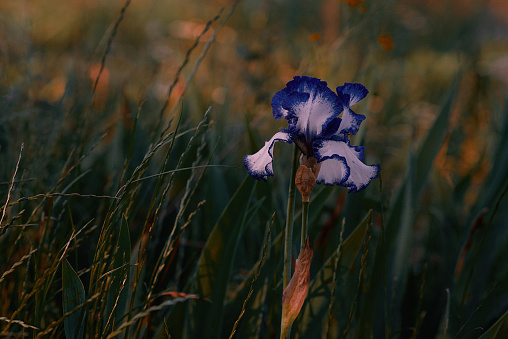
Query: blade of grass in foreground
point(203, 318)
point(117, 293)
point(376, 297)
point(217, 259)
point(73, 296)
point(318, 299)
point(252, 314)
point(498, 330)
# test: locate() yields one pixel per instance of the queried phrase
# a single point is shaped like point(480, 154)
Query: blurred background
point(407, 53)
point(437, 73)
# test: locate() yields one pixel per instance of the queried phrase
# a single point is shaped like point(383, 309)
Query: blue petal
point(331, 128)
point(349, 159)
point(259, 165)
point(350, 122)
point(309, 106)
point(291, 104)
point(277, 100)
point(298, 84)
point(351, 93)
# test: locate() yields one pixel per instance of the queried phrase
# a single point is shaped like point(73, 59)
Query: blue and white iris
point(314, 125)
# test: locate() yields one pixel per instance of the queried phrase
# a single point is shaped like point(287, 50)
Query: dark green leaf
point(73, 297)
point(216, 263)
point(318, 298)
point(117, 295)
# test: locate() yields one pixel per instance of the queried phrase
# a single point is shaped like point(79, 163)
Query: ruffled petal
point(351, 158)
point(259, 165)
point(350, 122)
point(351, 93)
point(333, 172)
point(277, 100)
point(308, 105)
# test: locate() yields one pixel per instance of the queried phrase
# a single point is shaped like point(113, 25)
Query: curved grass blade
point(252, 322)
point(379, 295)
point(217, 259)
point(318, 299)
point(118, 291)
point(73, 296)
point(498, 330)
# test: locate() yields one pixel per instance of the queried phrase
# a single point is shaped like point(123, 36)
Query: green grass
point(126, 210)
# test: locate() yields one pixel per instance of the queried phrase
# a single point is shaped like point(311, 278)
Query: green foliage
point(118, 291)
point(73, 296)
point(130, 180)
point(319, 297)
point(216, 263)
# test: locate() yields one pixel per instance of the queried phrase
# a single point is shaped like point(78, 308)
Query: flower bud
point(306, 176)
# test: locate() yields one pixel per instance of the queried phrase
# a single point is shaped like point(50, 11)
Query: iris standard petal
point(350, 122)
point(299, 84)
point(310, 106)
point(351, 157)
point(351, 93)
point(259, 165)
point(277, 100)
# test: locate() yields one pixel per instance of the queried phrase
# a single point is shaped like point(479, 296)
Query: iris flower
point(319, 123)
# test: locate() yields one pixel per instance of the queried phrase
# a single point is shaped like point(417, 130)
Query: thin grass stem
point(3, 229)
point(288, 233)
point(419, 314)
point(334, 277)
point(258, 271)
point(477, 254)
point(289, 220)
point(361, 277)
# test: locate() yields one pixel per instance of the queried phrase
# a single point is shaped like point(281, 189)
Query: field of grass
point(126, 210)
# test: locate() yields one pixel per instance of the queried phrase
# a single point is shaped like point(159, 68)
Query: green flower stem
point(289, 220)
point(289, 230)
point(305, 221)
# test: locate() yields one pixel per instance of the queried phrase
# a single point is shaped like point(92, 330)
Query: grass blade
point(316, 307)
point(73, 296)
point(385, 252)
point(252, 323)
point(498, 330)
point(217, 258)
point(117, 293)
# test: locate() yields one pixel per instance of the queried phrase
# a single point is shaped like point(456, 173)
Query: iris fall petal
point(351, 157)
point(259, 165)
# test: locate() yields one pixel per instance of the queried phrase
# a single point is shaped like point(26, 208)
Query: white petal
point(351, 157)
point(309, 105)
point(259, 165)
point(312, 111)
point(332, 172)
point(350, 122)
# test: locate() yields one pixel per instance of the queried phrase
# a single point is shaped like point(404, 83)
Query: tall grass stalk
point(86, 115)
point(361, 278)
point(288, 230)
point(258, 271)
point(3, 229)
point(334, 278)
